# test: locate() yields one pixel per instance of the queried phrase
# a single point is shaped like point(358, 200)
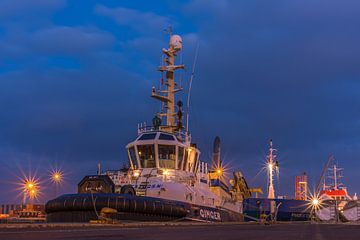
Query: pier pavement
point(180, 231)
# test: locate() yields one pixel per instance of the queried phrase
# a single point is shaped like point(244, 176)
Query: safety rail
point(183, 136)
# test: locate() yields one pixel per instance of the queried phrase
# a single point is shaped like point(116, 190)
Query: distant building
point(20, 210)
point(10, 208)
point(301, 187)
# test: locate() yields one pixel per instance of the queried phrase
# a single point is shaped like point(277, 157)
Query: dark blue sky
point(76, 76)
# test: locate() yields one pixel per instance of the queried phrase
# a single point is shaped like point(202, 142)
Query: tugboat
point(166, 178)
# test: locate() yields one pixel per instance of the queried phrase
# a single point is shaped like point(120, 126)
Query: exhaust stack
point(216, 162)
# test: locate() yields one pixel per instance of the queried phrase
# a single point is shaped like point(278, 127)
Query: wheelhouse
point(162, 150)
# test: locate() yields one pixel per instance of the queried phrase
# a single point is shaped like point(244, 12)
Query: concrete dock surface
point(180, 231)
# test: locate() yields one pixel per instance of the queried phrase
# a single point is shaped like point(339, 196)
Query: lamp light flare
point(315, 202)
point(29, 184)
point(30, 188)
point(136, 173)
point(56, 176)
point(222, 171)
point(33, 193)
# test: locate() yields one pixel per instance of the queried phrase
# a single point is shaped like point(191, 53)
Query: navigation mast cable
point(190, 84)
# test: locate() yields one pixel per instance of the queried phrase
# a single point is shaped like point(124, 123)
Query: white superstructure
point(165, 163)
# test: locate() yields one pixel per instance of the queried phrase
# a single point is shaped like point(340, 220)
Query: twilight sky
point(76, 76)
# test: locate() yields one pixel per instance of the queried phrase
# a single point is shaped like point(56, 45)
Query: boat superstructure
point(333, 188)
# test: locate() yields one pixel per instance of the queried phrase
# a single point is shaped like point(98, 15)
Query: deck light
point(136, 173)
point(315, 202)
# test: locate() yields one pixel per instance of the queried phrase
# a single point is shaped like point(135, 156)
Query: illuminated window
point(185, 161)
point(167, 156)
point(195, 162)
point(147, 155)
point(133, 157)
point(180, 157)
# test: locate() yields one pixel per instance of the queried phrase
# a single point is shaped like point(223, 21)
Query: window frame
point(161, 160)
point(153, 154)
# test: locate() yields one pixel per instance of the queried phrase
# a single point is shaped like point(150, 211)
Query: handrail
point(143, 128)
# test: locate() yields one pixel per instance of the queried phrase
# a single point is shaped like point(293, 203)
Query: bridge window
point(195, 162)
point(180, 157)
point(185, 161)
point(147, 155)
point(148, 136)
point(132, 156)
point(167, 156)
point(166, 137)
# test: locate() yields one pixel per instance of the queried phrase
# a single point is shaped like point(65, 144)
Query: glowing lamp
point(315, 202)
point(166, 172)
point(56, 176)
point(136, 173)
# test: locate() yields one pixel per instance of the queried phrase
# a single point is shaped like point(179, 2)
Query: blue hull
point(288, 209)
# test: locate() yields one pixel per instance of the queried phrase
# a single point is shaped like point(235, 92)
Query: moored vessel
point(166, 178)
point(336, 203)
point(272, 207)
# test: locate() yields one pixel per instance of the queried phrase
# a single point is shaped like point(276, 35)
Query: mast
point(335, 177)
point(167, 96)
point(271, 166)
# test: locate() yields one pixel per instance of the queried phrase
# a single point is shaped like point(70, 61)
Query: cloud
point(69, 111)
point(140, 21)
point(70, 40)
point(65, 46)
point(16, 8)
point(201, 7)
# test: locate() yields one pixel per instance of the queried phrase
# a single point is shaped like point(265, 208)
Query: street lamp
point(30, 188)
point(33, 193)
point(29, 185)
point(56, 178)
